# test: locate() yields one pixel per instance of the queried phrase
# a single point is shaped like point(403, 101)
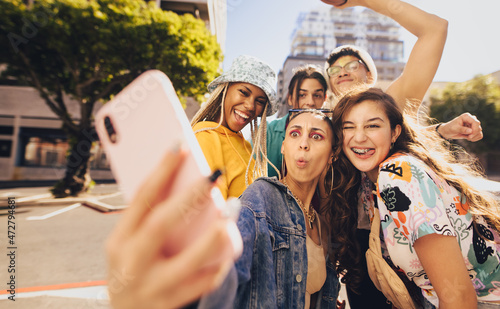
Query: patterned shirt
point(413, 202)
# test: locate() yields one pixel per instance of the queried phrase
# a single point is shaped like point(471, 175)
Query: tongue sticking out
point(365, 153)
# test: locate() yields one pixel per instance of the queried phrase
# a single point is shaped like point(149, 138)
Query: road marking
point(34, 197)
point(26, 198)
point(58, 286)
point(90, 296)
point(54, 213)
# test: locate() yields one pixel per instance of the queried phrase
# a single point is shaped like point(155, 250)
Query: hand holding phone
point(140, 274)
point(136, 128)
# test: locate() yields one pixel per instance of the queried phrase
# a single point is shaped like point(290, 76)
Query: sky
point(263, 28)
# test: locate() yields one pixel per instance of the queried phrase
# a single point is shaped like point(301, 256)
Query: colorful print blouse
point(413, 202)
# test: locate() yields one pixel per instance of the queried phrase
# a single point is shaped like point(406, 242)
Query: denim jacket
point(272, 270)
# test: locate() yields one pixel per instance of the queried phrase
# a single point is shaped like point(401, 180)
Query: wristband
point(437, 130)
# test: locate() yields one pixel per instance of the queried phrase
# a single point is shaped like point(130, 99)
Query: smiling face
point(311, 94)
point(307, 148)
point(368, 136)
point(344, 81)
point(243, 103)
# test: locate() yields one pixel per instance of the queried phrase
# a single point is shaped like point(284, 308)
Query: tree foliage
point(480, 97)
point(91, 49)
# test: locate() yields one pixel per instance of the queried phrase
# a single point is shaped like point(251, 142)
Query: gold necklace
point(311, 217)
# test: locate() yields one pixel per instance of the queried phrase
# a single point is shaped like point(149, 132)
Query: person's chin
point(236, 126)
point(362, 165)
point(344, 87)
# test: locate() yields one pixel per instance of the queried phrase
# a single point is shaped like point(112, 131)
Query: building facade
point(319, 31)
point(32, 144)
point(212, 12)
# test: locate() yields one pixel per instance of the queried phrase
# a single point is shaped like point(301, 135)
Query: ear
point(369, 77)
point(289, 101)
point(395, 133)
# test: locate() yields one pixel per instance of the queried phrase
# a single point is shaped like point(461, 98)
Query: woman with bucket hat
point(240, 95)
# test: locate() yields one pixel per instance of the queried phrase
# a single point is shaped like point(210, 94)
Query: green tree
point(480, 97)
point(91, 49)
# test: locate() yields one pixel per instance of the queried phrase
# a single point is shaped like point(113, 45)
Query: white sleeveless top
point(316, 266)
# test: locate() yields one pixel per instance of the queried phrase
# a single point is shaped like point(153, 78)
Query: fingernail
point(215, 175)
point(176, 147)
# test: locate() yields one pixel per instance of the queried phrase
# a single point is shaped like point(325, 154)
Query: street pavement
point(57, 247)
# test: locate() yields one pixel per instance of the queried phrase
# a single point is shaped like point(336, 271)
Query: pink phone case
point(149, 120)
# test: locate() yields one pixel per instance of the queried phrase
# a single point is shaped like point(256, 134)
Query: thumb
point(465, 130)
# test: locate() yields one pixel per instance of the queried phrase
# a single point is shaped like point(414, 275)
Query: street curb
point(46, 199)
point(96, 204)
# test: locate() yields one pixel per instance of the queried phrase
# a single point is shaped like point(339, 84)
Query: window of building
point(45, 152)
point(6, 130)
point(49, 148)
point(5, 148)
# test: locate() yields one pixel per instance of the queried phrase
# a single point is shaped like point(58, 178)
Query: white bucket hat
point(363, 54)
point(248, 69)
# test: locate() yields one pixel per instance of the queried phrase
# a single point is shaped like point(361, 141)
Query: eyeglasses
point(349, 67)
point(326, 112)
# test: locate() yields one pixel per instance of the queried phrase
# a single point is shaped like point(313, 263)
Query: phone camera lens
point(110, 129)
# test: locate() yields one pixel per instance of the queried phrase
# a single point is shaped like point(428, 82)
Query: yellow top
point(229, 152)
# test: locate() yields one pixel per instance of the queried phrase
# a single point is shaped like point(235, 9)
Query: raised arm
point(465, 126)
point(431, 32)
point(425, 56)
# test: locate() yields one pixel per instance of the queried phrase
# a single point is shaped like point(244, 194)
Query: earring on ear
point(392, 145)
point(283, 166)
point(331, 184)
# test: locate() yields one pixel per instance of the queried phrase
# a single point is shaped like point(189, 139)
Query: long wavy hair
point(422, 143)
point(212, 111)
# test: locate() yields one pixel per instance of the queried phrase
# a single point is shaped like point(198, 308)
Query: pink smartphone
point(136, 128)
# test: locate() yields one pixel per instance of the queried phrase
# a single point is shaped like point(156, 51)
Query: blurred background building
point(212, 12)
point(319, 31)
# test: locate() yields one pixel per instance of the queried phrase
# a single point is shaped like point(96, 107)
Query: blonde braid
point(213, 107)
point(259, 149)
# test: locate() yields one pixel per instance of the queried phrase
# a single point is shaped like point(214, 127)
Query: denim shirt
point(272, 270)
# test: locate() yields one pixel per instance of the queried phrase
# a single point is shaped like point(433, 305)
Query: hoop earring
point(331, 184)
point(283, 166)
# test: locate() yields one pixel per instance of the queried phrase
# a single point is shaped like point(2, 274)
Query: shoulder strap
point(374, 240)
